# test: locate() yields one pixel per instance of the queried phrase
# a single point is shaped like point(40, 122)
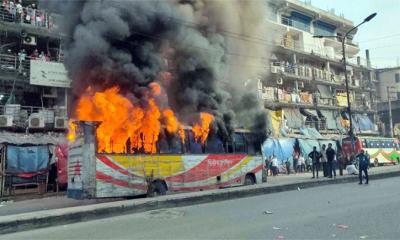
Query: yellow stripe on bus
point(156, 166)
point(238, 167)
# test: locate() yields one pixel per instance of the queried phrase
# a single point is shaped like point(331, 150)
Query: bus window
point(214, 145)
point(239, 142)
point(169, 145)
point(191, 146)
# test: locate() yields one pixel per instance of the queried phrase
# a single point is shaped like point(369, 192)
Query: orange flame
point(121, 120)
point(202, 130)
point(127, 127)
point(71, 135)
point(155, 88)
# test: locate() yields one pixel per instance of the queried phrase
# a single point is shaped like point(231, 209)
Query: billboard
point(52, 74)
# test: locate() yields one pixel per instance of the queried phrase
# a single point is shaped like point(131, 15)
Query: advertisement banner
point(52, 74)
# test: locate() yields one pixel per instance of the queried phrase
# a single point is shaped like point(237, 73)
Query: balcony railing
point(296, 24)
point(29, 16)
point(15, 64)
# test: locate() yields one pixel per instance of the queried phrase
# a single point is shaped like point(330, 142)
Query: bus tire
point(249, 179)
point(157, 188)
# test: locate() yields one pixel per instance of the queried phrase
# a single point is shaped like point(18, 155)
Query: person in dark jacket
point(363, 166)
point(331, 157)
point(315, 157)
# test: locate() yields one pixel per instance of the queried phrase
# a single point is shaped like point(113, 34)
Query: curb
point(48, 218)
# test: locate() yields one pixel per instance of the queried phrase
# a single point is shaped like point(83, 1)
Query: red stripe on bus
point(216, 185)
point(213, 165)
point(109, 179)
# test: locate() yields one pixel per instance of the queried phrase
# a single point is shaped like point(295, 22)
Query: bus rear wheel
point(249, 180)
point(157, 188)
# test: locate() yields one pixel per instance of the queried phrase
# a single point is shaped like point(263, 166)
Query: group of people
point(327, 159)
point(29, 14)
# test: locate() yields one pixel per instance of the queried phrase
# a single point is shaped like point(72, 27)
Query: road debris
point(333, 235)
point(342, 226)
point(298, 189)
point(276, 228)
point(364, 237)
point(280, 237)
point(267, 212)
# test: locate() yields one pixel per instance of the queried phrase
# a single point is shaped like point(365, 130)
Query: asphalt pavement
point(340, 211)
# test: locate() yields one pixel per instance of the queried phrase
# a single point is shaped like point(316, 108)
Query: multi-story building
point(306, 87)
point(389, 90)
point(33, 79)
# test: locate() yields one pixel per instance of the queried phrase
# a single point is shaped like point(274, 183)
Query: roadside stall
point(27, 162)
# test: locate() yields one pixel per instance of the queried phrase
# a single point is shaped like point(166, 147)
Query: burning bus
point(121, 148)
point(175, 166)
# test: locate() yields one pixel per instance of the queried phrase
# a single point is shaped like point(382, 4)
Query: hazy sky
point(381, 35)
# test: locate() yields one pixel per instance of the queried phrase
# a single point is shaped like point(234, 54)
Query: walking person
point(363, 166)
point(331, 157)
point(324, 160)
point(315, 157)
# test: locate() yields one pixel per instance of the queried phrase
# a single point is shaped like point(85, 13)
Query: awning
point(293, 118)
point(31, 139)
point(331, 121)
point(310, 133)
point(363, 123)
point(282, 148)
point(324, 91)
point(309, 113)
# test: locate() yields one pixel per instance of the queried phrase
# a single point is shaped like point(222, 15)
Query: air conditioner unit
point(36, 121)
point(61, 123)
point(29, 40)
point(6, 120)
point(279, 81)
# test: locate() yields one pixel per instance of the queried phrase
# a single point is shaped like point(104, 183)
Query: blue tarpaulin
point(281, 148)
point(27, 159)
point(306, 146)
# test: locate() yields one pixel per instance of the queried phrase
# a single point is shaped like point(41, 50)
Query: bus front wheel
point(249, 179)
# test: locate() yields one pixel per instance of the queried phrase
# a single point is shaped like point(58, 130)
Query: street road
point(340, 211)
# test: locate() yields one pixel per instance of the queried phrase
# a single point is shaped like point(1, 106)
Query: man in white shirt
point(324, 160)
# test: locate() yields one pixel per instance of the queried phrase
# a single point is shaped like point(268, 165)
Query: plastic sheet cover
point(281, 148)
point(331, 121)
point(27, 159)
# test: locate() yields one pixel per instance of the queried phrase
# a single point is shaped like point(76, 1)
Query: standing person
point(331, 157)
point(19, 11)
point(274, 165)
point(363, 166)
point(340, 162)
point(287, 163)
point(324, 161)
point(315, 158)
point(302, 163)
point(295, 161)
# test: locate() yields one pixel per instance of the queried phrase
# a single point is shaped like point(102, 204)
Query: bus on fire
point(177, 165)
